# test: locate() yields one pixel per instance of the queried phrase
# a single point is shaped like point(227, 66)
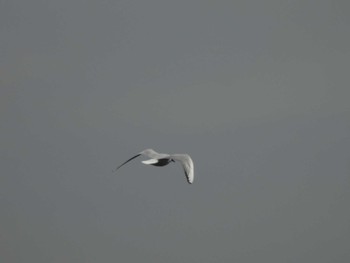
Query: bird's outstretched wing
point(150, 153)
point(187, 165)
point(127, 161)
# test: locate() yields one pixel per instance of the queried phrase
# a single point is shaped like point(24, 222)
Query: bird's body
point(162, 159)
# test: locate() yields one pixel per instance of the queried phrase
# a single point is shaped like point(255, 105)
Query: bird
point(162, 159)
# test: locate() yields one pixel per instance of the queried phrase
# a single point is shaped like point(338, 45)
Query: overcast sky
point(257, 92)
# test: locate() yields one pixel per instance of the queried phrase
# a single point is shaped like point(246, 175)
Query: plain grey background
point(257, 92)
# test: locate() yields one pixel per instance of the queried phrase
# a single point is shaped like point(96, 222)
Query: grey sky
point(257, 92)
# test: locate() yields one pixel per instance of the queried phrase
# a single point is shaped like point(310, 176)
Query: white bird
point(162, 159)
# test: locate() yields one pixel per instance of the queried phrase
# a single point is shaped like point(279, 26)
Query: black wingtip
point(127, 162)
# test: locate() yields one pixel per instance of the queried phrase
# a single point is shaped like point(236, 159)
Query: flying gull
point(162, 159)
